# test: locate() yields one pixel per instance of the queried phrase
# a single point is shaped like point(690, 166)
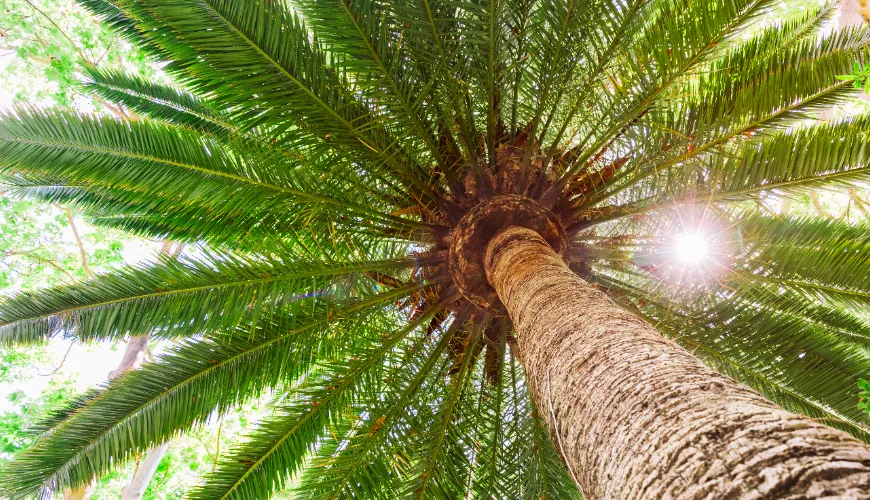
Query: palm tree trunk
point(636, 416)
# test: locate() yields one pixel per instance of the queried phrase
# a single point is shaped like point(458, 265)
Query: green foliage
point(864, 395)
point(860, 77)
point(16, 425)
point(38, 250)
point(54, 41)
point(318, 154)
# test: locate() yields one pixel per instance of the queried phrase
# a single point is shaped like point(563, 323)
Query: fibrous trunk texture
point(636, 416)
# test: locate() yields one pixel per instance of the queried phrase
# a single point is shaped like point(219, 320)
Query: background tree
point(313, 165)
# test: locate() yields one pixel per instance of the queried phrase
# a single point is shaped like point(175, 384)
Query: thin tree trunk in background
point(147, 467)
point(852, 13)
point(144, 473)
point(134, 356)
point(636, 416)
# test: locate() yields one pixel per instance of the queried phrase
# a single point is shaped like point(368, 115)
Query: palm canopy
point(324, 151)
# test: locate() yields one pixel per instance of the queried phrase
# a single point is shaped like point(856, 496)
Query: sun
point(692, 247)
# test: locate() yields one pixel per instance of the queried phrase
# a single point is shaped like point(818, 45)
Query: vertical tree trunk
point(147, 467)
point(134, 356)
point(636, 416)
point(144, 473)
point(852, 13)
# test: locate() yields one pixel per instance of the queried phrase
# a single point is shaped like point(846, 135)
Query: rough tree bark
point(636, 416)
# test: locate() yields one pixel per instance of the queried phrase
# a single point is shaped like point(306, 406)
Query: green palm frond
point(692, 32)
point(442, 465)
point(822, 259)
point(369, 457)
point(159, 159)
point(278, 447)
point(828, 155)
point(157, 299)
point(141, 408)
point(320, 154)
point(294, 81)
point(368, 46)
point(491, 479)
point(160, 102)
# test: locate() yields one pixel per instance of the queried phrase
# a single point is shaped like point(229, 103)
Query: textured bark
point(636, 416)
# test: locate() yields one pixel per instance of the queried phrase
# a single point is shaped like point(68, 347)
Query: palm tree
point(439, 232)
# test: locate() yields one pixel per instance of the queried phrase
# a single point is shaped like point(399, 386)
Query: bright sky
point(692, 247)
point(88, 365)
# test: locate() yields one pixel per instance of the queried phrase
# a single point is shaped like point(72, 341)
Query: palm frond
point(174, 297)
point(276, 449)
point(157, 158)
point(266, 50)
point(160, 102)
point(141, 408)
point(368, 460)
point(442, 463)
point(823, 259)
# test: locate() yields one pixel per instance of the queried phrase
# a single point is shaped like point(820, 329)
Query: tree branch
point(62, 32)
point(58, 366)
point(31, 255)
point(75, 231)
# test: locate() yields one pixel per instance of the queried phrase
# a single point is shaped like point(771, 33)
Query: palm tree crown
point(324, 154)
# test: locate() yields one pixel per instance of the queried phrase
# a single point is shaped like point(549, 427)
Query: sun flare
point(692, 247)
